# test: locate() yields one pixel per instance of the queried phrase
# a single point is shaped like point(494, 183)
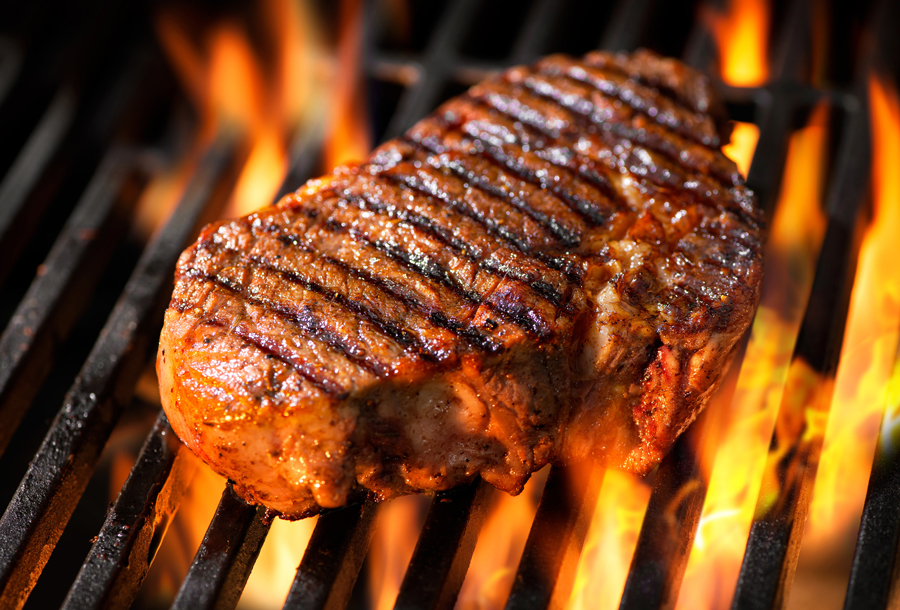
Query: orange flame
point(741, 33)
point(398, 527)
point(233, 89)
point(182, 538)
point(275, 568)
point(869, 348)
point(500, 545)
point(612, 537)
point(348, 134)
point(742, 145)
point(738, 470)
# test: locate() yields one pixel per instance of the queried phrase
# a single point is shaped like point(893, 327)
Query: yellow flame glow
point(741, 34)
point(738, 471)
point(870, 340)
point(742, 145)
point(613, 534)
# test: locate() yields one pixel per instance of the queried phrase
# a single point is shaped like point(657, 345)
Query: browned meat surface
point(554, 266)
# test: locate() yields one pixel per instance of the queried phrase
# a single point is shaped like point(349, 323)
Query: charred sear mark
point(462, 329)
point(568, 238)
point(493, 227)
point(271, 350)
point(461, 246)
point(305, 321)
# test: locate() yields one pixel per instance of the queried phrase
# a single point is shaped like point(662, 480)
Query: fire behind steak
point(552, 267)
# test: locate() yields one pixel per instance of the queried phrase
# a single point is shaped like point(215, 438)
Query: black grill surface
point(89, 112)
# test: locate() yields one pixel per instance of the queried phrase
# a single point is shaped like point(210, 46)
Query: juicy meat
point(553, 266)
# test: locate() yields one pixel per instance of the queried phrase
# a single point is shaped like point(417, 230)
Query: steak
point(553, 267)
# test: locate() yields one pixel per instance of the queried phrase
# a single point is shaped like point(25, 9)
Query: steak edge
point(552, 267)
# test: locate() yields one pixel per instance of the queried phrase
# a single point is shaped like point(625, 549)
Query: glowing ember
point(741, 32)
point(742, 145)
point(738, 472)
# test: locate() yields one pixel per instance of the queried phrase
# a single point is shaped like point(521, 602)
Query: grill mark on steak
point(664, 110)
point(391, 204)
point(272, 350)
point(528, 106)
point(436, 188)
point(708, 185)
point(464, 249)
point(473, 336)
point(458, 327)
point(424, 171)
point(692, 89)
point(645, 88)
point(567, 236)
point(417, 317)
point(582, 205)
point(556, 176)
point(309, 324)
point(426, 266)
point(561, 152)
point(387, 329)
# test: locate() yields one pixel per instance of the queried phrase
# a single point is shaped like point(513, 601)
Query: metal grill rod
point(873, 577)
point(774, 542)
point(432, 72)
point(442, 555)
point(226, 556)
point(111, 575)
point(546, 571)
point(333, 558)
point(58, 474)
point(57, 296)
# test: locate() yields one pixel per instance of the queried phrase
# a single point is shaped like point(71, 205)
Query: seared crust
point(554, 266)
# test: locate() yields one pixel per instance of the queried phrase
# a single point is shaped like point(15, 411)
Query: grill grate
point(102, 146)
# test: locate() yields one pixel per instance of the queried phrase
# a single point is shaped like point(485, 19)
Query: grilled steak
point(554, 266)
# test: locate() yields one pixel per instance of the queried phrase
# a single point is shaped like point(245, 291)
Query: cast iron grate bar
point(226, 556)
point(873, 583)
point(333, 558)
point(237, 529)
point(667, 532)
point(437, 61)
point(533, 37)
point(59, 472)
point(546, 571)
point(11, 59)
point(58, 294)
point(777, 105)
point(774, 542)
point(74, 126)
point(112, 574)
point(28, 167)
point(439, 563)
point(628, 22)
